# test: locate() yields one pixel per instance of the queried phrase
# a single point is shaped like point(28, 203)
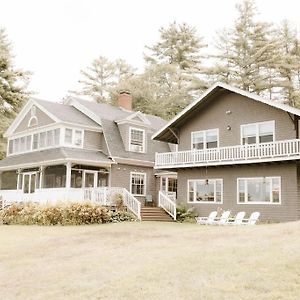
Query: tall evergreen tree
point(247, 52)
point(13, 84)
point(101, 77)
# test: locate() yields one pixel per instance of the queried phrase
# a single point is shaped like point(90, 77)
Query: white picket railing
point(167, 204)
point(107, 196)
point(288, 149)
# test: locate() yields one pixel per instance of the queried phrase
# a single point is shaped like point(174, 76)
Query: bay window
point(205, 191)
point(261, 190)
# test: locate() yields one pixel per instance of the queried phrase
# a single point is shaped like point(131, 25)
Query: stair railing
point(167, 204)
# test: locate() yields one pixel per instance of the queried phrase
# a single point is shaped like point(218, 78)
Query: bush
point(185, 214)
point(61, 214)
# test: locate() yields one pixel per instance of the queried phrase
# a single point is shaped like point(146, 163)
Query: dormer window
point(136, 139)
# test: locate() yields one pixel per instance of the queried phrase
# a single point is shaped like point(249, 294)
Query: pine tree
point(101, 77)
point(13, 84)
point(247, 52)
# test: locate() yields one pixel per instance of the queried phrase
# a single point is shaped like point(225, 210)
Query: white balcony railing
point(240, 154)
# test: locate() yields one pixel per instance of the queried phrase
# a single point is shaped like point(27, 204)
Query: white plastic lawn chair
point(238, 220)
point(207, 220)
point(223, 219)
point(252, 220)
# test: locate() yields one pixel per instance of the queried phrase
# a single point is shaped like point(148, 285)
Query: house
point(236, 151)
point(82, 150)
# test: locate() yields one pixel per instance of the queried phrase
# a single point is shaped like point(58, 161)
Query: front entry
point(29, 182)
point(168, 185)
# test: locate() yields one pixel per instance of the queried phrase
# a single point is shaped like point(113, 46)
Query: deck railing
point(108, 195)
point(279, 150)
point(167, 204)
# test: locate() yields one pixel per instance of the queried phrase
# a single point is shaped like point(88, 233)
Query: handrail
point(167, 204)
point(231, 154)
point(104, 196)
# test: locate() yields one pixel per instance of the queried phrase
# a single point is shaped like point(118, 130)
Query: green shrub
point(185, 214)
point(61, 214)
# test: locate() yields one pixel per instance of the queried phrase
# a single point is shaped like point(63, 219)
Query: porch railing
point(167, 204)
point(107, 196)
point(279, 150)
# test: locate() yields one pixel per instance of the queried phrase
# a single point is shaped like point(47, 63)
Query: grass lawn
point(150, 261)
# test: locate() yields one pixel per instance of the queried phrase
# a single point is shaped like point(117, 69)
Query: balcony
point(240, 154)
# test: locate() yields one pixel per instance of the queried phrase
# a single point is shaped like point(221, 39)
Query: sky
point(55, 39)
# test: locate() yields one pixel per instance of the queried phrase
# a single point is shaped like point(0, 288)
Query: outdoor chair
point(207, 220)
point(252, 220)
point(148, 200)
point(223, 219)
point(238, 220)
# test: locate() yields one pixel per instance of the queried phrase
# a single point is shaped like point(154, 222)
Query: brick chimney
point(125, 100)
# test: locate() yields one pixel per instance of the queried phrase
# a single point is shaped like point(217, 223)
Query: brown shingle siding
point(288, 210)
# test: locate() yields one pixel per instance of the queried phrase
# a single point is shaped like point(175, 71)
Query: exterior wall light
point(228, 127)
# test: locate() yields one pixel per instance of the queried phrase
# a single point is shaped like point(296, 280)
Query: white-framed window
point(259, 190)
point(138, 183)
point(205, 191)
point(137, 139)
point(68, 136)
point(205, 139)
point(74, 137)
point(41, 140)
point(255, 133)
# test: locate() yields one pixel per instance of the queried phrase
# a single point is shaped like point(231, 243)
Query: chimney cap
point(125, 92)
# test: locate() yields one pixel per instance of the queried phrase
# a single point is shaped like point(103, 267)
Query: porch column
point(41, 176)
point(19, 187)
point(68, 175)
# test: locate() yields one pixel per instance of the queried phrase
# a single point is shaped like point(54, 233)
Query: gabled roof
point(56, 111)
point(168, 131)
point(109, 115)
point(136, 118)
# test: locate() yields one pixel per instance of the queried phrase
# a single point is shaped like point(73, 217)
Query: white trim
point(55, 162)
point(74, 102)
point(143, 119)
point(205, 202)
point(220, 85)
point(144, 139)
point(30, 120)
point(95, 173)
point(145, 183)
point(132, 161)
point(204, 137)
point(257, 130)
point(258, 202)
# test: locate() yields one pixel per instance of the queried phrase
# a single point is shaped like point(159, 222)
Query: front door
point(168, 185)
point(90, 179)
point(29, 183)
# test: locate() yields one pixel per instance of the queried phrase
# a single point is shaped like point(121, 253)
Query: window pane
point(78, 137)
point(68, 136)
point(191, 191)
point(205, 190)
point(10, 146)
point(50, 138)
point(35, 141)
point(42, 141)
point(138, 184)
point(28, 143)
point(249, 130)
point(198, 140)
point(56, 136)
point(218, 191)
point(266, 128)
point(241, 187)
point(16, 145)
point(22, 144)
point(137, 140)
point(276, 190)
point(258, 190)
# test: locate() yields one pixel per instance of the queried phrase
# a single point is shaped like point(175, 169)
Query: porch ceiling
point(52, 156)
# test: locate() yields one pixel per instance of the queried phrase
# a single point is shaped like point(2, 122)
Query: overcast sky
point(55, 39)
